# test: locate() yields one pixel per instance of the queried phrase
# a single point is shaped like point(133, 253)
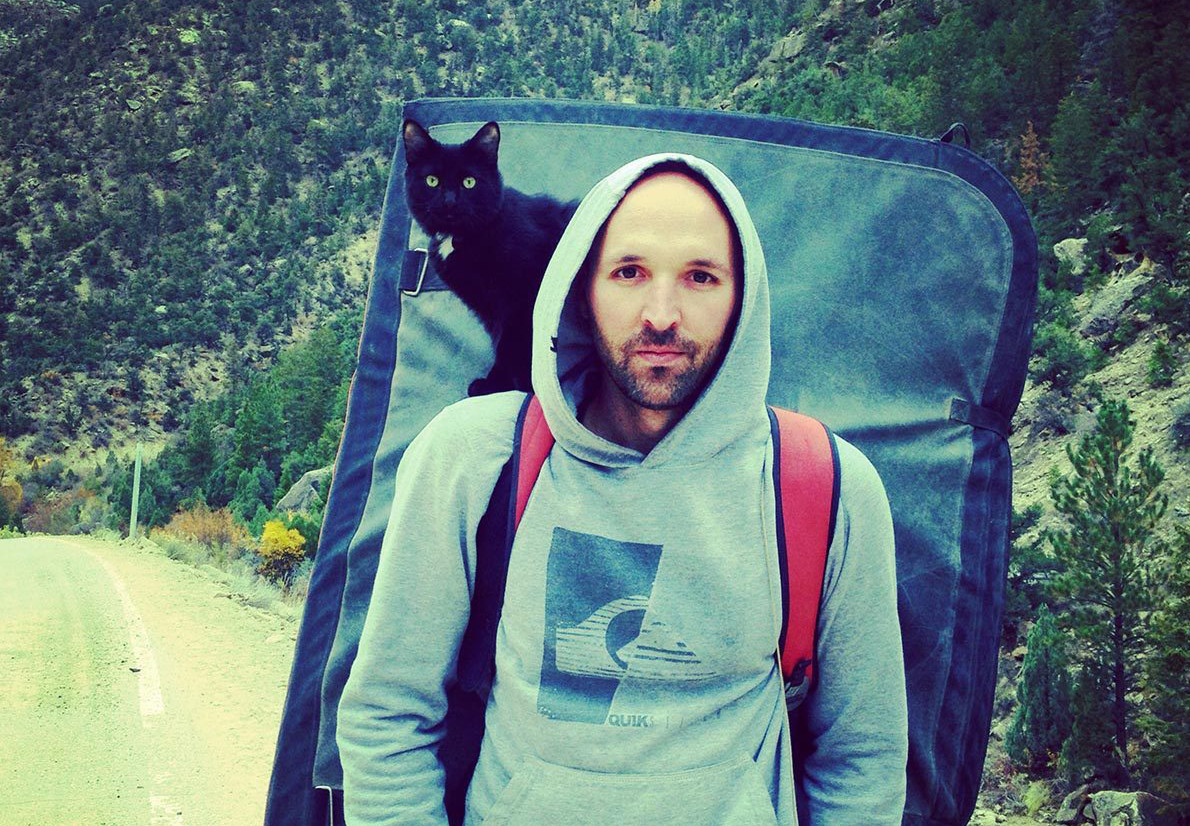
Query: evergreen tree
point(260, 429)
point(1041, 723)
point(1090, 750)
point(199, 449)
point(247, 499)
point(1166, 721)
point(1112, 504)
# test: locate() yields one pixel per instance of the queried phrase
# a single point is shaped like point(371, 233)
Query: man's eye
point(469, 182)
point(431, 180)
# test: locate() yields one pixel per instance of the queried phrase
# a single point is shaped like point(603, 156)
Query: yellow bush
point(281, 552)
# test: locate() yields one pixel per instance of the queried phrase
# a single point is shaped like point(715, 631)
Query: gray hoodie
point(636, 682)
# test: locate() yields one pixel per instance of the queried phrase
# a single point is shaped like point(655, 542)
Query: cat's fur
point(489, 243)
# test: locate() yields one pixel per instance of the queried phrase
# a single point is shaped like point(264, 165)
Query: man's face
point(662, 291)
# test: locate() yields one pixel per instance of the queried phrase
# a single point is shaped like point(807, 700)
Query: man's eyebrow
point(709, 263)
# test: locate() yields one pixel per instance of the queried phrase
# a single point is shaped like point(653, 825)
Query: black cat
point(490, 243)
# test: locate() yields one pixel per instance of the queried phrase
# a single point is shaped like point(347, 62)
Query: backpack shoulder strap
point(531, 445)
point(806, 482)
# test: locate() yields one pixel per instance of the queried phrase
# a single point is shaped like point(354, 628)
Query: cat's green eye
point(469, 182)
point(431, 180)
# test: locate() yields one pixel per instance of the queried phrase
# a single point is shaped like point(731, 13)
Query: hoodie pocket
point(724, 794)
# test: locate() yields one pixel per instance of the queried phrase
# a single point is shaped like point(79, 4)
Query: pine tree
point(1042, 720)
point(1166, 722)
point(1032, 162)
point(1112, 504)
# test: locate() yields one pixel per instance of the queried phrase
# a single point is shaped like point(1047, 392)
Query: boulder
point(1129, 809)
point(1072, 251)
point(305, 491)
point(1110, 303)
point(1074, 806)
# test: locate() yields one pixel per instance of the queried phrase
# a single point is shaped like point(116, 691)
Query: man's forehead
point(668, 205)
point(669, 193)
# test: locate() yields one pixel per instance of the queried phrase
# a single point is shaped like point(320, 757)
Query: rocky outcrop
point(1074, 808)
point(1129, 809)
point(1072, 251)
point(1111, 303)
point(305, 491)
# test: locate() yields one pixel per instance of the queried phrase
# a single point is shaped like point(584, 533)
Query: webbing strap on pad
point(805, 471)
point(534, 444)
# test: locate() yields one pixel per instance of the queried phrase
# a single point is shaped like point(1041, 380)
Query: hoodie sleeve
point(394, 700)
point(851, 735)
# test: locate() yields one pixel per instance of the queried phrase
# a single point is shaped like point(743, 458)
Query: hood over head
point(566, 364)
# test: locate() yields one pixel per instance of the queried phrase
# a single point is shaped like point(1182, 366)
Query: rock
point(1072, 251)
point(789, 47)
point(1073, 805)
point(1110, 303)
point(305, 491)
point(1129, 809)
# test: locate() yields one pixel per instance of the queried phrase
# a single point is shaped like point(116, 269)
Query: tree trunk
point(1120, 706)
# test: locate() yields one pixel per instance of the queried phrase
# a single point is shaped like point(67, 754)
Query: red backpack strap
point(531, 446)
point(806, 481)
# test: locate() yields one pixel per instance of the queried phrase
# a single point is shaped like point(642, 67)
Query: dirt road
point(133, 690)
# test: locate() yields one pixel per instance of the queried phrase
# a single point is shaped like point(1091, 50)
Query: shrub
point(11, 496)
point(1036, 797)
point(176, 547)
point(1169, 305)
point(1062, 359)
point(282, 550)
point(56, 512)
point(1042, 720)
point(1162, 365)
point(215, 530)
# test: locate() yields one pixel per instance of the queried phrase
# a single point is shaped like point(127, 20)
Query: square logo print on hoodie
point(597, 631)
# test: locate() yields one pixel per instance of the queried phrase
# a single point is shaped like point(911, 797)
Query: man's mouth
point(660, 357)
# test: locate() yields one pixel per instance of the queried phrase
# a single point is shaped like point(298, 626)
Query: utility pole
point(135, 494)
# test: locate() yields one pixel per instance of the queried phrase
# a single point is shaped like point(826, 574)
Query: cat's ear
point(487, 141)
point(417, 140)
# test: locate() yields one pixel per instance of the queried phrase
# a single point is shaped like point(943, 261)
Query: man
point(636, 681)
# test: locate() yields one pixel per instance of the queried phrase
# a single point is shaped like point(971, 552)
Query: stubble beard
point(660, 387)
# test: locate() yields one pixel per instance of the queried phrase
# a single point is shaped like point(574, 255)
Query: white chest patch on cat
point(443, 246)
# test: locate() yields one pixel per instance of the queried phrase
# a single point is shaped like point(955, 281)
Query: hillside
point(189, 196)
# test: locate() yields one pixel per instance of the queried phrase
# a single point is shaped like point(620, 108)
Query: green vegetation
point(181, 186)
point(1042, 720)
point(1119, 633)
point(1166, 683)
point(1109, 555)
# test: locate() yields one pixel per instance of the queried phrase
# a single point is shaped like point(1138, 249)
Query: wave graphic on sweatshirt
point(590, 648)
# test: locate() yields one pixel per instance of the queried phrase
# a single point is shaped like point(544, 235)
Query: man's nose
point(661, 310)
